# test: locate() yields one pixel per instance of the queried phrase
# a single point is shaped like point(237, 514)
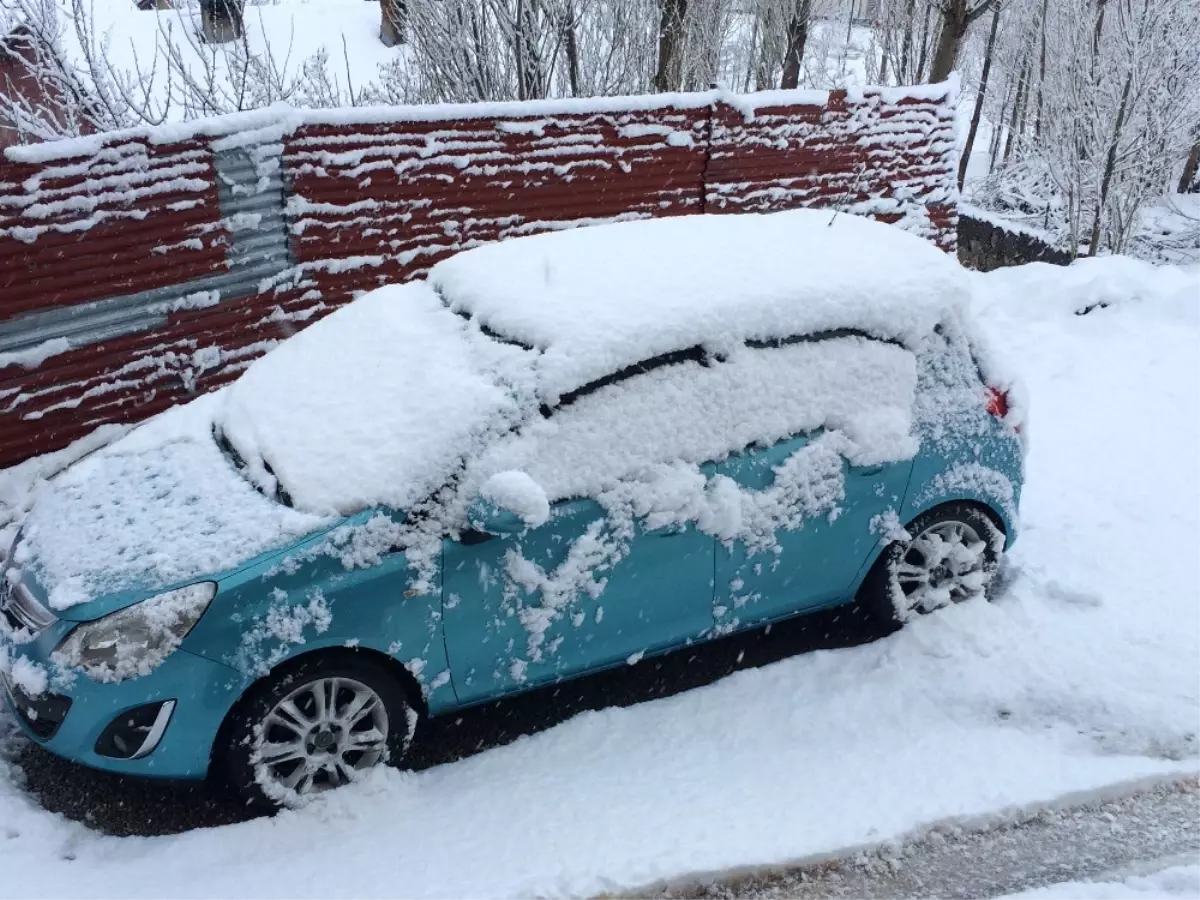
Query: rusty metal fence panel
point(137, 270)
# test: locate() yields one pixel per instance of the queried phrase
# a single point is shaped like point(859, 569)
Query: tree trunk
point(849, 35)
point(571, 47)
point(998, 130)
point(797, 37)
point(1037, 121)
point(983, 85)
point(530, 83)
point(919, 75)
point(670, 34)
point(221, 20)
point(1018, 111)
point(952, 27)
point(1188, 183)
point(1110, 163)
point(1097, 33)
point(904, 74)
point(392, 21)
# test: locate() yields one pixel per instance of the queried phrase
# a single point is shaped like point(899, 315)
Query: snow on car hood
point(159, 507)
point(375, 405)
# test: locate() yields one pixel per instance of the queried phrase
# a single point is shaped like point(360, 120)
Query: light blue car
point(553, 456)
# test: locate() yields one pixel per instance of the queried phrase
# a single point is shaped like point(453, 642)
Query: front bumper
point(72, 716)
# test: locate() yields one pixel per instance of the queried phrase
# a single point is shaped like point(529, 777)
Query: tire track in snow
point(1082, 842)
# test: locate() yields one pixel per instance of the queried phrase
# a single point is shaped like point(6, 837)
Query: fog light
point(135, 732)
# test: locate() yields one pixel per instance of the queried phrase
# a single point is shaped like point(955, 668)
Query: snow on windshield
point(599, 299)
point(371, 406)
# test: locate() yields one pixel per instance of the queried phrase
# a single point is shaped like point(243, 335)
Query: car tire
point(951, 554)
point(323, 722)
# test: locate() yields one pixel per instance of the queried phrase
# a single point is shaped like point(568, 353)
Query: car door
point(810, 566)
point(595, 585)
point(569, 597)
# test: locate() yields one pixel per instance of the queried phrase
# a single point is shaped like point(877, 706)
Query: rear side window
point(697, 411)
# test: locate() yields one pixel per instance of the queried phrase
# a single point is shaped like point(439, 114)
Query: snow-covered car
point(555, 455)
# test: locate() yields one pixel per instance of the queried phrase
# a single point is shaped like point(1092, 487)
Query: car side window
point(693, 412)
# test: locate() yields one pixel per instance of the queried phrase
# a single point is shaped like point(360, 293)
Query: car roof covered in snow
point(596, 300)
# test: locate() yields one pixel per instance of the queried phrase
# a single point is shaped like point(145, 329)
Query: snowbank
point(1080, 676)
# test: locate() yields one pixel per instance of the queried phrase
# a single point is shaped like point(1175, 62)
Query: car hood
point(160, 508)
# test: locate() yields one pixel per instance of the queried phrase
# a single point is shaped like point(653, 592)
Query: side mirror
point(509, 503)
point(492, 519)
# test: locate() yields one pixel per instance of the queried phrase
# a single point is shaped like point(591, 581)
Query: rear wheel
point(314, 727)
point(951, 555)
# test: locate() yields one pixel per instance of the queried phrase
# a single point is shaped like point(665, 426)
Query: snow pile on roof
point(370, 406)
point(598, 299)
point(158, 507)
point(378, 404)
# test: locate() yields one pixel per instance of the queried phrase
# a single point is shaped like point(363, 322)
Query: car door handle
point(469, 537)
point(867, 472)
point(666, 531)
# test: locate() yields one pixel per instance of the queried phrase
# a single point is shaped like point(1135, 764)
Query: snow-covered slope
point(1084, 673)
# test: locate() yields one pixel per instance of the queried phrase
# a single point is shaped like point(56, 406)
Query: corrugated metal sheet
point(170, 267)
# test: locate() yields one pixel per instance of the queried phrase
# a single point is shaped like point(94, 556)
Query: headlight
point(134, 641)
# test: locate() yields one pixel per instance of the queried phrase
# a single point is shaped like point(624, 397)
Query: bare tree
point(667, 72)
point(797, 37)
point(981, 94)
point(1188, 183)
point(955, 17)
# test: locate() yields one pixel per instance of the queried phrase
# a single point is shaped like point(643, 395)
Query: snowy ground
point(1142, 845)
point(1173, 881)
point(1082, 676)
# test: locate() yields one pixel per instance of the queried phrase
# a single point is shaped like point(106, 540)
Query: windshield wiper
point(239, 464)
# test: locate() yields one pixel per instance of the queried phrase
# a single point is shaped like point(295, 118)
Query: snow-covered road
point(1084, 674)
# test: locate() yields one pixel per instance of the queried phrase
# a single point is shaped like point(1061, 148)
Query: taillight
point(997, 402)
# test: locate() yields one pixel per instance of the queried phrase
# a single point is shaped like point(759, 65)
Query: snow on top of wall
point(596, 300)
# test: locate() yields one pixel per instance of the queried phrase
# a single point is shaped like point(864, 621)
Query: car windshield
point(375, 405)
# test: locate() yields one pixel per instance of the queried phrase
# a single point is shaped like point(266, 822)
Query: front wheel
point(951, 555)
point(315, 727)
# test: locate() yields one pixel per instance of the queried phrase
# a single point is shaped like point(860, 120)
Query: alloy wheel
point(320, 736)
point(944, 564)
